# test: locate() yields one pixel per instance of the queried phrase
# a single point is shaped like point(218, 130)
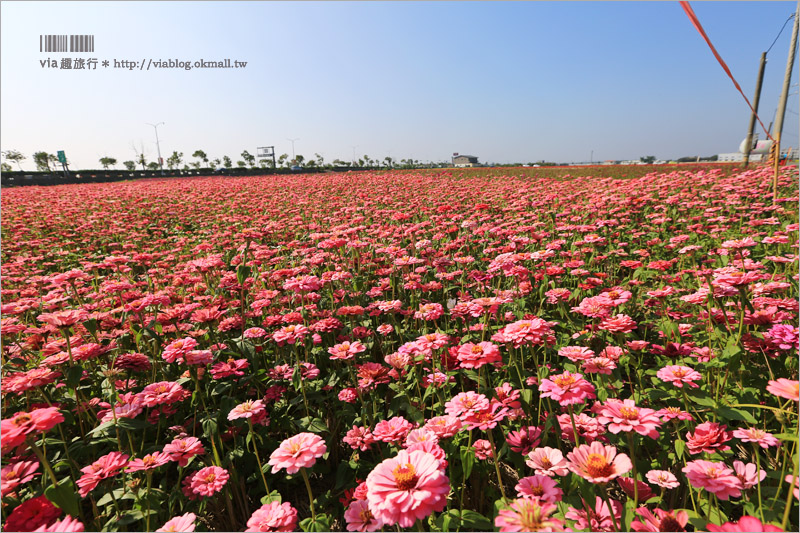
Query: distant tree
point(5, 167)
point(201, 155)
point(388, 161)
point(107, 162)
point(129, 165)
point(195, 165)
point(311, 163)
point(15, 156)
point(298, 160)
point(226, 161)
point(185, 167)
point(282, 159)
point(648, 159)
point(250, 159)
point(320, 160)
point(216, 162)
point(142, 161)
point(42, 161)
point(175, 160)
point(241, 164)
point(153, 165)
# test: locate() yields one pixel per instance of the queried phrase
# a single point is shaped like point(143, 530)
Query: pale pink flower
point(407, 488)
point(528, 514)
point(785, 388)
point(576, 353)
point(273, 516)
point(746, 523)
point(476, 355)
point(661, 521)
point(209, 480)
point(663, 479)
point(567, 388)
point(67, 524)
point(482, 449)
point(148, 462)
point(748, 474)
point(184, 448)
point(464, 403)
point(714, 477)
point(678, 375)
point(547, 462)
point(759, 436)
point(597, 519)
point(247, 409)
point(598, 463)
point(444, 426)
point(542, 487)
point(178, 524)
point(360, 518)
point(300, 451)
point(359, 438)
point(392, 430)
point(625, 416)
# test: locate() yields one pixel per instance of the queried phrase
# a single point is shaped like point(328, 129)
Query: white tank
point(761, 147)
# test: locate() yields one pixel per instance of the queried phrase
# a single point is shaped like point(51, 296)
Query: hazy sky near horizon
point(505, 81)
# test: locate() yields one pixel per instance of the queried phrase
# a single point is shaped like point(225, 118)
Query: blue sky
point(505, 81)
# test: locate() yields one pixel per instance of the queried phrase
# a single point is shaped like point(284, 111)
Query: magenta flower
point(183, 523)
point(209, 480)
point(678, 375)
point(625, 416)
point(567, 388)
point(273, 516)
point(714, 477)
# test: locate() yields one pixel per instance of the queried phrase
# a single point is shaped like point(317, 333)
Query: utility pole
point(292, 141)
point(782, 102)
point(749, 141)
point(158, 146)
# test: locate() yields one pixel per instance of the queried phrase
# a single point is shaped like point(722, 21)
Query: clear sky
point(505, 81)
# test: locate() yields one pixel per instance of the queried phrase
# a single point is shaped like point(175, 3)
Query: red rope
point(690, 12)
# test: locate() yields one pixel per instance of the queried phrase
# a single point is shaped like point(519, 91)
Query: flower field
point(422, 350)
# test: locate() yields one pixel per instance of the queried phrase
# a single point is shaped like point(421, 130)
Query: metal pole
point(782, 102)
point(158, 146)
point(749, 142)
point(292, 141)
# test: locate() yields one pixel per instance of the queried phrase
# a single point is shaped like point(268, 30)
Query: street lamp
point(292, 141)
point(158, 146)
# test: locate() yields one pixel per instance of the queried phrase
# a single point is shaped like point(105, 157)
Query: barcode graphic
point(66, 43)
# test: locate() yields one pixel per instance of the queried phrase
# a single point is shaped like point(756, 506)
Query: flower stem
point(610, 509)
point(496, 465)
point(310, 495)
point(258, 459)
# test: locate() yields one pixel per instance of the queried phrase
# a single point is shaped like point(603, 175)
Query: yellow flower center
point(405, 476)
point(598, 466)
point(629, 413)
point(564, 381)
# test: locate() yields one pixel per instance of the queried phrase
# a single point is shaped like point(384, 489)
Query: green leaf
point(74, 376)
point(64, 495)
point(273, 496)
point(132, 424)
point(729, 413)
point(467, 460)
point(680, 446)
point(322, 523)
point(242, 273)
point(314, 425)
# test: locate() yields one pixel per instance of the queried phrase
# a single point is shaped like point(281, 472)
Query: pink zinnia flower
point(476, 355)
point(482, 449)
point(248, 409)
point(759, 436)
point(209, 480)
point(678, 375)
point(785, 388)
point(625, 416)
point(547, 462)
point(618, 324)
point(567, 388)
point(599, 365)
point(107, 466)
point(183, 523)
point(542, 487)
point(346, 350)
point(661, 521)
point(14, 475)
point(464, 403)
point(360, 518)
point(183, 449)
point(598, 463)
point(273, 516)
point(444, 426)
point(164, 392)
point(300, 451)
point(576, 353)
point(487, 418)
point(148, 462)
point(663, 479)
point(359, 438)
point(65, 525)
point(528, 514)
point(31, 514)
point(420, 435)
point(714, 477)
point(745, 524)
point(708, 437)
point(748, 474)
point(406, 488)
point(392, 430)
point(525, 440)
